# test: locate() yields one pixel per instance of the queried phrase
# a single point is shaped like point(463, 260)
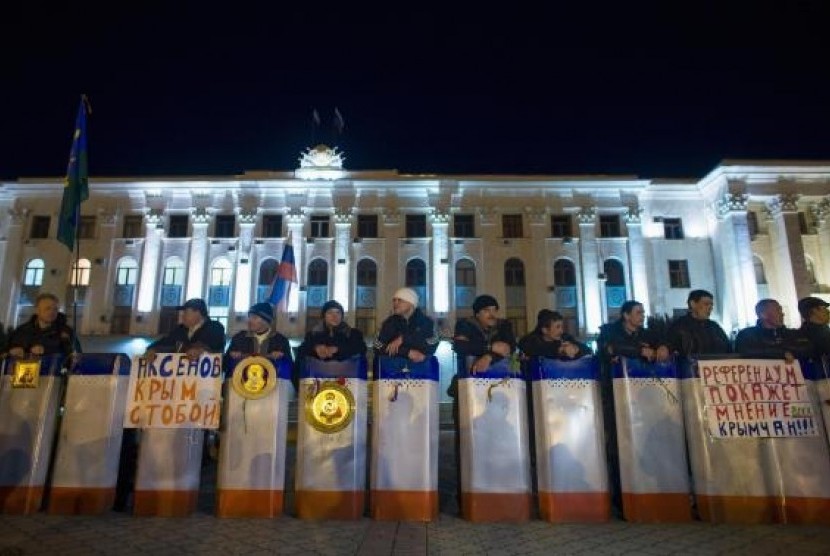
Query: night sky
point(181, 88)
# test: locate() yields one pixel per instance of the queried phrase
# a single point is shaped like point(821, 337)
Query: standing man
point(407, 332)
point(46, 333)
point(769, 338)
point(197, 334)
point(815, 317)
point(695, 333)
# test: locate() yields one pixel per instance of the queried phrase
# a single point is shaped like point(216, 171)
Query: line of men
point(484, 338)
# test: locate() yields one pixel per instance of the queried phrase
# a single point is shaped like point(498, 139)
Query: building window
point(464, 225)
point(367, 225)
point(673, 228)
point(87, 227)
point(760, 275)
point(178, 225)
point(318, 273)
point(367, 273)
point(133, 226)
point(320, 225)
point(225, 225)
point(126, 273)
point(172, 281)
point(416, 225)
point(465, 273)
point(272, 225)
point(609, 225)
point(679, 274)
point(80, 273)
point(33, 276)
point(614, 273)
point(560, 225)
point(564, 273)
point(511, 225)
point(752, 224)
point(416, 273)
point(40, 227)
point(514, 273)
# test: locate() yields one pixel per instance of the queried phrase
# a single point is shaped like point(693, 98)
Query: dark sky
point(187, 88)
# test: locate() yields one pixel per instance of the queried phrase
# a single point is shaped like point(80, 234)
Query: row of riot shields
point(746, 438)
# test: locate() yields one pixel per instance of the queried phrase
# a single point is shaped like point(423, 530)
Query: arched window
point(514, 273)
point(317, 281)
point(366, 296)
point(80, 273)
point(564, 273)
point(267, 271)
point(614, 273)
point(219, 290)
point(33, 276)
point(465, 273)
point(367, 273)
point(811, 271)
point(760, 275)
point(416, 273)
point(173, 274)
point(126, 272)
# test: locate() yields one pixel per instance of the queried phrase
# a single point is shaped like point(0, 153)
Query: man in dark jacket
point(260, 338)
point(407, 332)
point(197, 334)
point(46, 333)
point(549, 339)
point(626, 337)
point(815, 317)
point(695, 333)
point(332, 338)
point(769, 338)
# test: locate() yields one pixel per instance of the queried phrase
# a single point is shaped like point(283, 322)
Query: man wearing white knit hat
point(407, 332)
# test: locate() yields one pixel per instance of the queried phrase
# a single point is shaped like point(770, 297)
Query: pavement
point(119, 533)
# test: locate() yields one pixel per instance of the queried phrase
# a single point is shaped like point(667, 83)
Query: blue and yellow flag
point(76, 188)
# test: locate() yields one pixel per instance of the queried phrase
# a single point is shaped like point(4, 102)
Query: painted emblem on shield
point(254, 378)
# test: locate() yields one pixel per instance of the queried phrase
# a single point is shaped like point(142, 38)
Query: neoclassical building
point(580, 244)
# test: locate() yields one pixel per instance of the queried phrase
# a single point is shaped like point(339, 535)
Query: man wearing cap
point(407, 332)
point(769, 338)
point(260, 338)
point(485, 336)
point(195, 335)
point(332, 338)
point(816, 316)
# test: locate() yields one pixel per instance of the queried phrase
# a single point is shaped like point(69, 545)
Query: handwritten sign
point(756, 398)
point(172, 391)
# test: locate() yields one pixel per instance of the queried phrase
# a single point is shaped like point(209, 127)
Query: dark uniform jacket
point(209, 337)
point(615, 341)
point(246, 343)
point(349, 341)
point(819, 336)
point(534, 345)
point(691, 336)
point(418, 333)
point(58, 338)
point(757, 341)
point(470, 339)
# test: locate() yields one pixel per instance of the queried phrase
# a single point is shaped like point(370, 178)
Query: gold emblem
point(331, 409)
point(254, 378)
point(26, 373)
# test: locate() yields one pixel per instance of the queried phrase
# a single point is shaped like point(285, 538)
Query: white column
point(637, 259)
point(735, 249)
point(788, 252)
point(198, 254)
point(97, 303)
point(244, 283)
point(11, 250)
point(342, 241)
point(589, 265)
point(390, 276)
point(822, 212)
point(440, 263)
point(149, 270)
point(295, 220)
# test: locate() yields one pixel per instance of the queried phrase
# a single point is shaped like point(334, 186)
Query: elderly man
point(197, 334)
point(46, 333)
point(407, 332)
point(769, 338)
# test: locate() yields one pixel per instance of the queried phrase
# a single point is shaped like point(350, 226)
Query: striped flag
point(285, 276)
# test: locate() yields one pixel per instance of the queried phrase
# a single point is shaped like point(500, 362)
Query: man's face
point(820, 315)
point(772, 315)
point(191, 317)
point(636, 317)
point(401, 307)
point(257, 324)
point(488, 316)
point(333, 317)
point(47, 310)
point(554, 331)
point(702, 308)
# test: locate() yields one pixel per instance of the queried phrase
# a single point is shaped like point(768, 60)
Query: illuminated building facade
point(579, 244)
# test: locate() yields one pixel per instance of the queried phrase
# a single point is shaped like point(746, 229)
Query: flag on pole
point(339, 122)
point(76, 187)
point(285, 276)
